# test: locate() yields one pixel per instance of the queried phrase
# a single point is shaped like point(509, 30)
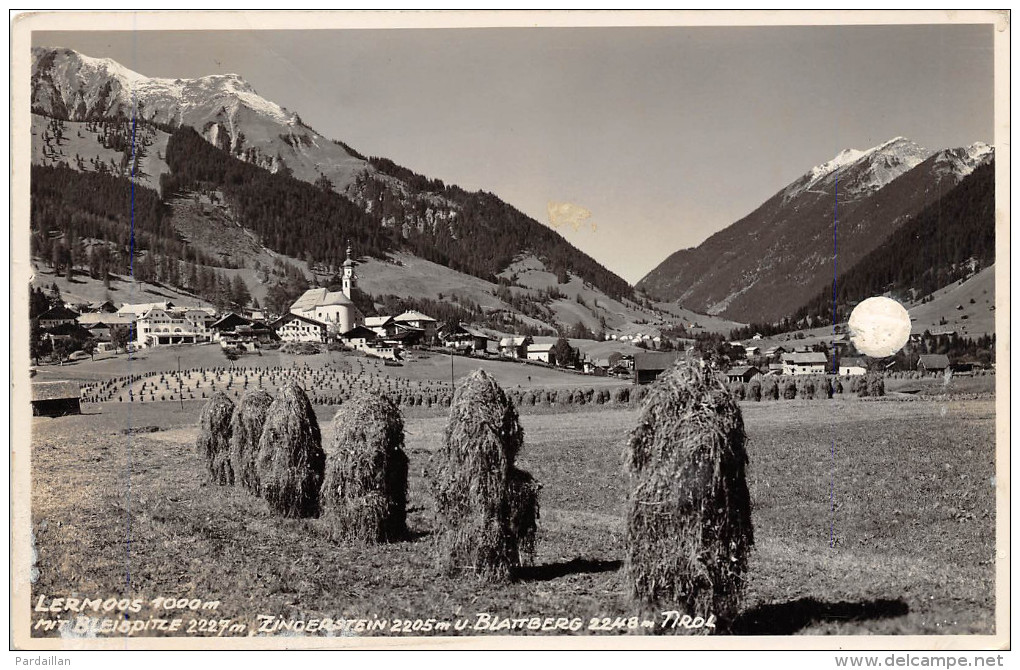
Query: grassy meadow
point(870, 518)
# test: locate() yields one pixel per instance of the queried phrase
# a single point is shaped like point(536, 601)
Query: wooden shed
point(649, 365)
point(55, 398)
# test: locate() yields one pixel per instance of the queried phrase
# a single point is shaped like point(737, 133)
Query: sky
point(664, 134)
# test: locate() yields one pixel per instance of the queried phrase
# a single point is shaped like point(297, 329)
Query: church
point(336, 309)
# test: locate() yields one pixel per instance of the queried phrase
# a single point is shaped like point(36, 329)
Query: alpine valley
point(202, 190)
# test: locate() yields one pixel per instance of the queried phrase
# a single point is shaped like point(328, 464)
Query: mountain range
point(234, 184)
point(769, 264)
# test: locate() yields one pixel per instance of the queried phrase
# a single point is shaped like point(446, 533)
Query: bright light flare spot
point(879, 327)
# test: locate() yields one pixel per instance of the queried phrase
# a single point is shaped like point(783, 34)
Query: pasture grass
point(870, 517)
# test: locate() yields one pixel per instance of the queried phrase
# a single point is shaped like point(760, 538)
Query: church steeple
point(349, 279)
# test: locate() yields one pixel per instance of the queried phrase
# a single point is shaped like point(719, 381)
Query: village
point(321, 319)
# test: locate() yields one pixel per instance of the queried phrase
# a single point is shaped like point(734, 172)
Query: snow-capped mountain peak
point(961, 161)
point(855, 171)
point(979, 151)
point(223, 108)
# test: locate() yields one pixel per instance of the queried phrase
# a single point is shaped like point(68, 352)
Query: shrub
point(364, 492)
point(214, 437)
point(290, 461)
point(689, 526)
point(245, 431)
point(301, 348)
point(487, 509)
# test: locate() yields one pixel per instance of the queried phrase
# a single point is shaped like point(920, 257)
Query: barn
point(804, 363)
point(853, 366)
point(55, 398)
point(541, 352)
point(742, 373)
point(649, 365)
point(932, 364)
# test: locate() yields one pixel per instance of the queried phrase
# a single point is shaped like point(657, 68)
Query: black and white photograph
point(511, 330)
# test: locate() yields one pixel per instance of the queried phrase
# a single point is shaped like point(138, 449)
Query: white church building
point(335, 309)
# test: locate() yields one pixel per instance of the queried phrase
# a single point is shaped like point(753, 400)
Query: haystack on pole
point(214, 437)
point(486, 508)
point(291, 462)
point(689, 528)
point(364, 494)
point(245, 432)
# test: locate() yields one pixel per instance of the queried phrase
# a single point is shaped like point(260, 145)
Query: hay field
point(420, 366)
point(904, 545)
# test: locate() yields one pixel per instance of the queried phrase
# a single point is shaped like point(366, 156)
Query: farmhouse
point(359, 337)
point(418, 321)
point(234, 330)
point(540, 352)
point(99, 331)
point(250, 337)
point(296, 328)
point(66, 331)
point(57, 316)
point(462, 336)
point(405, 337)
point(384, 326)
point(649, 365)
point(742, 373)
point(227, 326)
point(774, 352)
point(335, 309)
point(515, 347)
point(55, 398)
point(852, 366)
point(104, 307)
point(804, 363)
point(596, 366)
point(932, 364)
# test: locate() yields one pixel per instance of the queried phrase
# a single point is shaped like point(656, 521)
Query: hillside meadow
point(870, 518)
